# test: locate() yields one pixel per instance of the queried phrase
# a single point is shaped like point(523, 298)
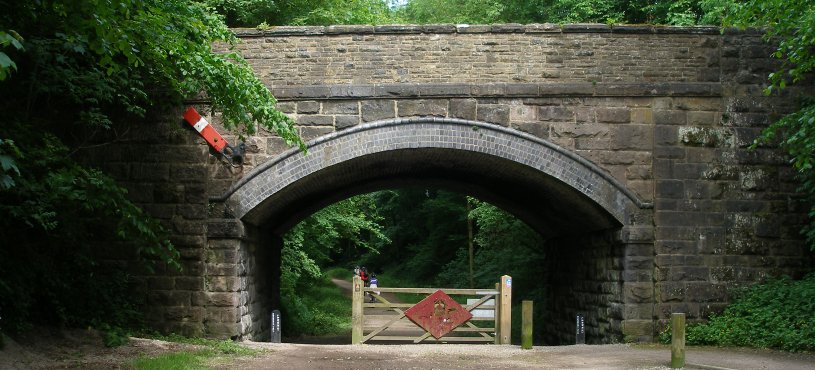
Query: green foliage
point(251, 13)
point(6, 63)
point(55, 223)
point(789, 23)
point(425, 228)
point(777, 314)
point(129, 55)
point(682, 12)
point(114, 336)
point(339, 273)
point(183, 360)
point(317, 308)
point(504, 246)
point(311, 303)
point(245, 13)
point(349, 225)
point(9, 154)
point(81, 69)
point(222, 347)
point(441, 11)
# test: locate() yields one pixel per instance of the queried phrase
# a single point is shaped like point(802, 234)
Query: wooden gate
point(375, 318)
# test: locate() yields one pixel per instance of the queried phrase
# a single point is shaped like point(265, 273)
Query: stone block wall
point(725, 214)
point(164, 168)
point(361, 55)
point(583, 276)
point(667, 112)
point(242, 265)
point(615, 133)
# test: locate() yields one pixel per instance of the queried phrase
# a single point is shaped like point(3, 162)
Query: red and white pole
point(200, 124)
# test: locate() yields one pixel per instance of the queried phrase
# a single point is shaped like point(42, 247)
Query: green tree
point(73, 70)
point(791, 25)
point(425, 227)
point(351, 224)
point(251, 13)
point(503, 245)
point(683, 12)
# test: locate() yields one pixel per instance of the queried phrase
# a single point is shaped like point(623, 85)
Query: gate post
point(505, 315)
point(356, 310)
point(497, 314)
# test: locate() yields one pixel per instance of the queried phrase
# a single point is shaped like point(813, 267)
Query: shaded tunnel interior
point(583, 266)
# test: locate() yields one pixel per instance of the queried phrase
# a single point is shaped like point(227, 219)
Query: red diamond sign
point(438, 314)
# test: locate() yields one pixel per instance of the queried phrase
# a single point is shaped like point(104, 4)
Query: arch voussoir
point(407, 134)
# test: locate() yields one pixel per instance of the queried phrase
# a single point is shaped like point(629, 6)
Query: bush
point(778, 314)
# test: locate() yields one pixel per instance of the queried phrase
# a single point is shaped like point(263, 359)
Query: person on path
point(374, 284)
point(363, 274)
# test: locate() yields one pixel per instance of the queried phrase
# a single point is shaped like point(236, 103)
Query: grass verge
point(210, 351)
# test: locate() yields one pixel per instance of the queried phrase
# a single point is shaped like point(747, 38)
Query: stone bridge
point(626, 147)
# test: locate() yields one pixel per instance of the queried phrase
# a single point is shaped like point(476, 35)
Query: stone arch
point(587, 216)
point(470, 156)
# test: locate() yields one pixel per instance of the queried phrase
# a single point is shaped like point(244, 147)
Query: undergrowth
point(778, 314)
point(317, 307)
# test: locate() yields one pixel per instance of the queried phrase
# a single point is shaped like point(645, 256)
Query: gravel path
point(459, 356)
point(83, 349)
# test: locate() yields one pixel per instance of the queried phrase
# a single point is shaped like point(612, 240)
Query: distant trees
point(251, 13)
point(350, 227)
point(418, 233)
point(418, 236)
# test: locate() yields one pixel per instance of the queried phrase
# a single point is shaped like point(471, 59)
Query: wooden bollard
point(677, 340)
point(356, 310)
point(526, 324)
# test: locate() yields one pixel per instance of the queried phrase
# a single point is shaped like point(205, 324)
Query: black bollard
point(580, 337)
point(276, 327)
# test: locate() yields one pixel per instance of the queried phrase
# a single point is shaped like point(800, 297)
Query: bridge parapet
point(478, 54)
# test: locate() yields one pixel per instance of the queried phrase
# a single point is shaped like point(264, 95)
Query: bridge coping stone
point(283, 31)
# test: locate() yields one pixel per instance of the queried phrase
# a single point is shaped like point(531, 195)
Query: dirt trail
point(468, 356)
point(83, 349)
point(346, 287)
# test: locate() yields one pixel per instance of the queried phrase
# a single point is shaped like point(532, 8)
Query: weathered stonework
point(627, 147)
